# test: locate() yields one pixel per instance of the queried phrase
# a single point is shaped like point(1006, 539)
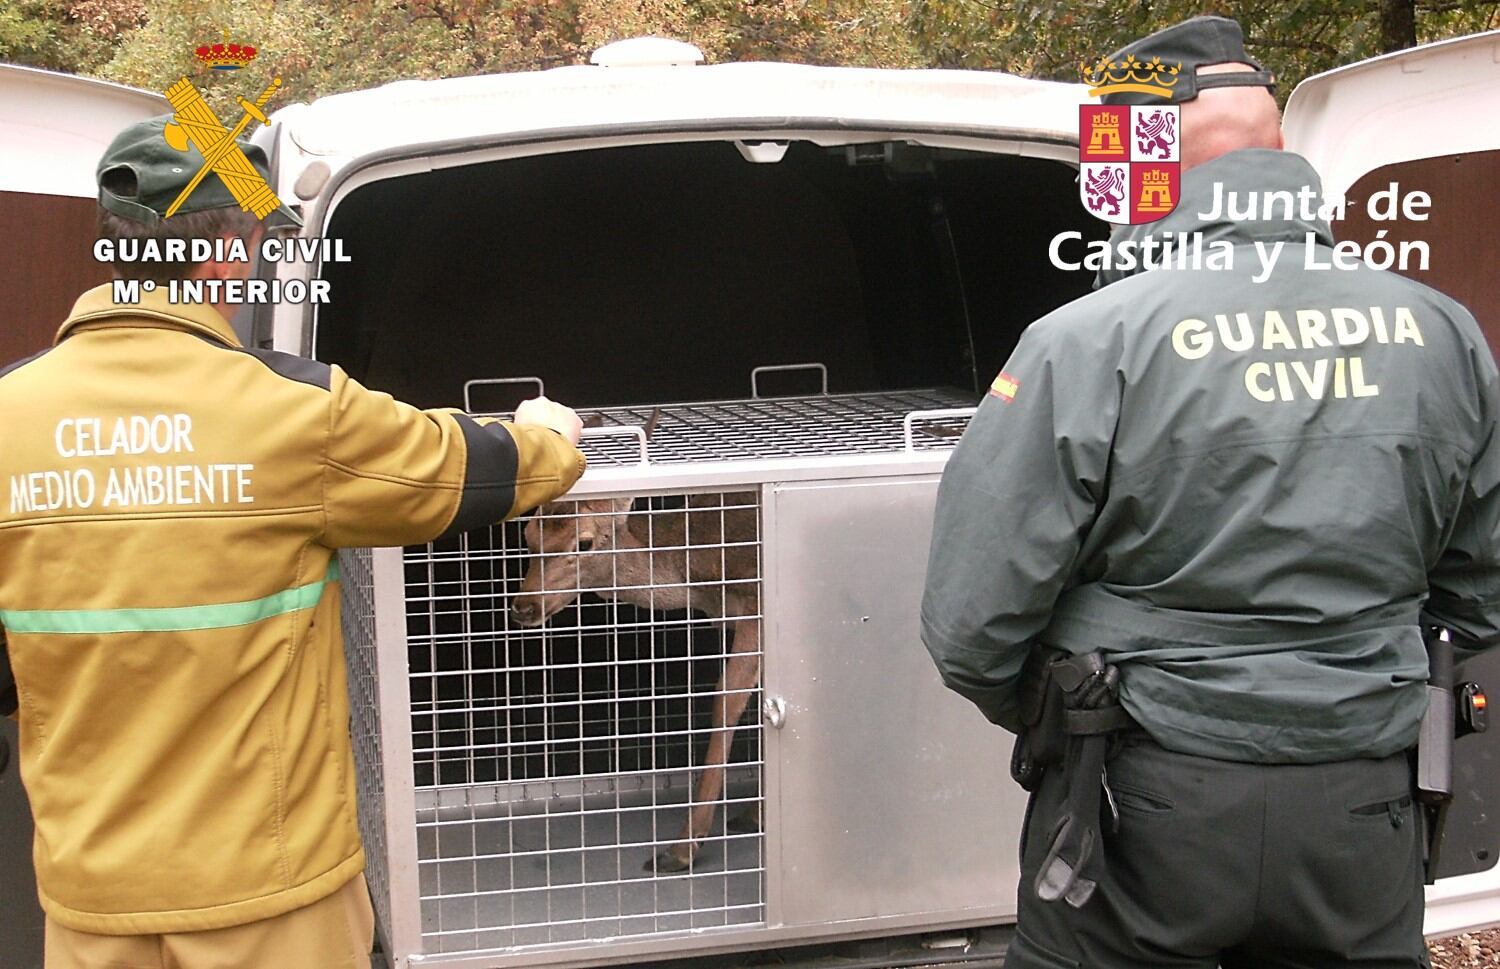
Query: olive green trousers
point(1244, 866)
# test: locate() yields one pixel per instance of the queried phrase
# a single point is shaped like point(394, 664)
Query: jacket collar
point(97, 307)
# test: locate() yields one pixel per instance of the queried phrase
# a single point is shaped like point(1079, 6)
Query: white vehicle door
point(1427, 120)
point(54, 128)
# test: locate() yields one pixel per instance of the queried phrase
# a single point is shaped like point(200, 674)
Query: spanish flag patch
point(1005, 387)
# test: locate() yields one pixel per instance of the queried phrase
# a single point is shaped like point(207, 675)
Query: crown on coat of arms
point(226, 56)
point(1130, 74)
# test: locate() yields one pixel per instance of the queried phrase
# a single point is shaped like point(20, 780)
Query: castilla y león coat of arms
point(1129, 154)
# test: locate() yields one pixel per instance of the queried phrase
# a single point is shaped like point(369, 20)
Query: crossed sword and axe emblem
point(194, 122)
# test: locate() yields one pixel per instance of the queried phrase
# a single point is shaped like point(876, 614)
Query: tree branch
point(1453, 5)
point(1398, 25)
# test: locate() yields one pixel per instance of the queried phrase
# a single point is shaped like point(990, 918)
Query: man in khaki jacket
point(169, 587)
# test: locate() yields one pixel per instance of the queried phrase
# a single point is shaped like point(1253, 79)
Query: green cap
point(141, 175)
point(1195, 43)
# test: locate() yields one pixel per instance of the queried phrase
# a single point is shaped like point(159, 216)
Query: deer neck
point(651, 578)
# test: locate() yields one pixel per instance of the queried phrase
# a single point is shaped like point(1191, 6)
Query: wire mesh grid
point(786, 427)
point(575, 690)
point(358, 619)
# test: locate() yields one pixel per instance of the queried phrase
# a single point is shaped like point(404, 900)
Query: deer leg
point(746, 822)
point(740, 675)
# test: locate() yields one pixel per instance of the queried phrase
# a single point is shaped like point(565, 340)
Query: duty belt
point(1070, 707)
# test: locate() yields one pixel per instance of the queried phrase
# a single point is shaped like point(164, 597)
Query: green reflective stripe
point(170, 619)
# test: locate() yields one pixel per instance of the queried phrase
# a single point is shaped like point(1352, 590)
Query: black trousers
point(1244, 866)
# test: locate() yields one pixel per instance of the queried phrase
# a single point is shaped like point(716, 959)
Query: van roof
point(735, 95)
point(55, 127)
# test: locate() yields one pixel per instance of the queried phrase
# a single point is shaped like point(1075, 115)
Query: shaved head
point(1224, 119)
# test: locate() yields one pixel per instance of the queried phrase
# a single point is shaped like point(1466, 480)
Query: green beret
point(141, 175)
point(1195, 43)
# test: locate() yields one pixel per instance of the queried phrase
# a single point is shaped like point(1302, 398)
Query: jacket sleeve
point(396, 475)
point(1464, 585)
point(1015, 503)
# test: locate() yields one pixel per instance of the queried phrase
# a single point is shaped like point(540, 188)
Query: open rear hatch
point(664, 272)
point(648, 275)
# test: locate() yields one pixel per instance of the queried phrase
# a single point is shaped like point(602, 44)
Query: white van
point(778, 289)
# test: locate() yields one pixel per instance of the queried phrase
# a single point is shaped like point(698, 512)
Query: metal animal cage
point(587, 760)
point(553, 760)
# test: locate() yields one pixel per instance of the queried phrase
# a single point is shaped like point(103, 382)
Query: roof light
point(762, 152)
point(647, 52)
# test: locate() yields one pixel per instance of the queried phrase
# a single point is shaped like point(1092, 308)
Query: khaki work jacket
point(170, 591)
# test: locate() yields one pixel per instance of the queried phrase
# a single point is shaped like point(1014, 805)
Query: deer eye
point(585, 545)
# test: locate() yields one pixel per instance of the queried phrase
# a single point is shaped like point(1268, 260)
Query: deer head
point(572, 546)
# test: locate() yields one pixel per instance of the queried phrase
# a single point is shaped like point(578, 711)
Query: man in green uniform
point(1248, 495)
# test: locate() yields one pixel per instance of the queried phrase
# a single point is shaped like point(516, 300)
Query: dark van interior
point(666, 272)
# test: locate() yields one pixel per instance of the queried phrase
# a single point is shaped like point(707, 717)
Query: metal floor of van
point(569, 869)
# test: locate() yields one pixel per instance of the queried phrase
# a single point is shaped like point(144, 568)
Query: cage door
point(890, 795)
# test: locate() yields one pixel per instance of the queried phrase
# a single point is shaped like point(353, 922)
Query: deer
point(648, 559)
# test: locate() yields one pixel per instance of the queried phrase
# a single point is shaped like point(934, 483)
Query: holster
point(1069, 709)
point(1043, 740)
point(1432, 761)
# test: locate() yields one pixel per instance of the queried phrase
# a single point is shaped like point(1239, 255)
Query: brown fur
point(648, 559)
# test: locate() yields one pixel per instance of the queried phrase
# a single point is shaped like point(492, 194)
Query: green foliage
point(872, 33)
point(27, 31)
point(316, 48)
point(48, 33)
point(321, 48)
point(1293, 38)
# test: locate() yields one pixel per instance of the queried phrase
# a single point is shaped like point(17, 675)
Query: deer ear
point(625, 522)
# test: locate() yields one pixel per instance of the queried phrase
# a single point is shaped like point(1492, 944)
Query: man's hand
point(549, 413)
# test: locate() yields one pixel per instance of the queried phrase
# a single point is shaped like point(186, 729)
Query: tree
point(1293, 38)
point(316, 48)
point(321, 48)
point(74, 37)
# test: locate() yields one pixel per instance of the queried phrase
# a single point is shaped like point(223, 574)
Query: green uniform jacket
point(1246, 492)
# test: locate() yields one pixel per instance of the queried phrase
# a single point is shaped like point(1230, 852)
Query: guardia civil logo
point(194, 122)
point(1129, 159)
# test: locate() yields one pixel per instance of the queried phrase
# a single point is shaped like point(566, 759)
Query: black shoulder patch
point(489, 478)
point(301, 369)
point(17, 365)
